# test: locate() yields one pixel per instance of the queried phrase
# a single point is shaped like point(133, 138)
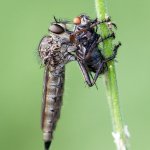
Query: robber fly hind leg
point(104, 62)
point(97, 41)
point(107, 20)
point(112, 35)
point(85, 74)
point(115, 50)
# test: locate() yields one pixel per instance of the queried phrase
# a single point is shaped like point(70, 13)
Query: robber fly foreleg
point(97, 41)
point(85, 73)
point(112, 35)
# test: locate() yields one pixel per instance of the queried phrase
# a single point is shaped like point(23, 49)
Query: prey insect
point(89, 55)
point(54, 51)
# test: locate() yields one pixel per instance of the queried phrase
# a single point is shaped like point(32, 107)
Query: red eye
point(77, 20)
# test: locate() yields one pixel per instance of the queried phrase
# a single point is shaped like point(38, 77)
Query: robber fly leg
point(106, 20)
point(114, 53)
point(99, 71)
point(97, 40)
point(104, 62)
point(85, 74)
point(112, 35)
point(110, 24)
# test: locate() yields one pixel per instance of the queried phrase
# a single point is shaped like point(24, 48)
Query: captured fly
point(54, 51)
point(88, 55)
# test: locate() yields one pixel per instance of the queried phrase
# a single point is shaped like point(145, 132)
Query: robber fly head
point(81, 20)
point(58, 26)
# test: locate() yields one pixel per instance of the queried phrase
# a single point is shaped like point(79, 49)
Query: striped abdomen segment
point(52, 101)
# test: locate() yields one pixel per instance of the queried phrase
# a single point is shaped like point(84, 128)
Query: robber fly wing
point(45, 79)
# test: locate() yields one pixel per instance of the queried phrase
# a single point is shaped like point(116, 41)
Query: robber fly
point(89, 55)
point(54, 51)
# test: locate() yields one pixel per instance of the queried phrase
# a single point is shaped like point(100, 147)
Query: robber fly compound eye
point(57, 28)
point(77, 20)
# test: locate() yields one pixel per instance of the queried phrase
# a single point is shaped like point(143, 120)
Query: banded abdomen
point(52, 101)
point(54, 52)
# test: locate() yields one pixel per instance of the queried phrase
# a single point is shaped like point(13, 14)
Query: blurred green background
point(85, 122)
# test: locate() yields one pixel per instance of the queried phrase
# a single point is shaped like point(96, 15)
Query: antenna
point(55, 19)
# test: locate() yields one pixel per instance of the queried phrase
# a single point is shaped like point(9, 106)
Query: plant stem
point(119, 133)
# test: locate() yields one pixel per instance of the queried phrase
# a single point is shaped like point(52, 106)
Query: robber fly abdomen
point(53, 50)
point(53, 87)
point(52, 101)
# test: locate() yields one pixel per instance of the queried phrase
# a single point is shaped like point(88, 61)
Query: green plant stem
point(111, 83)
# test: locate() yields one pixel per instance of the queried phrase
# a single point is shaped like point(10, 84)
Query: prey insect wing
point(45, 79)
